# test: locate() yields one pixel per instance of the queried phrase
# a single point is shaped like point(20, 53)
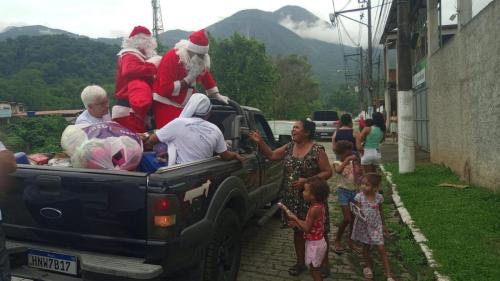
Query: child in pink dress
point(315, 192)
point(369, 225)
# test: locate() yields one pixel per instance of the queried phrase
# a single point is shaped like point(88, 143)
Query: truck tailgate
point(77, 208)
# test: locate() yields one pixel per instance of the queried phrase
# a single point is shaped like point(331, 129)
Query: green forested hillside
point(48, 72)
point(326, 58)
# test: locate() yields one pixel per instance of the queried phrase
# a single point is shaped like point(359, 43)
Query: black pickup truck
point(81, 224)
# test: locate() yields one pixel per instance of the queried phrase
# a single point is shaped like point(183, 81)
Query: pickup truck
point(82, 224)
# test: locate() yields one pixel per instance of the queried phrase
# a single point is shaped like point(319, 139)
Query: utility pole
point(359, 76)
point(369, 69)
point(361, 80)
point(370, 55)
point(377, 96)
point(406, 123)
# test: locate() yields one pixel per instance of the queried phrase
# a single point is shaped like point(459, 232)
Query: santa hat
point(139, 29)
point(198, 42)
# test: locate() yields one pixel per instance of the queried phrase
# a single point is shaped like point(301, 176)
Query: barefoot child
point(369, 225)
point(349, 177)
point(315, 192)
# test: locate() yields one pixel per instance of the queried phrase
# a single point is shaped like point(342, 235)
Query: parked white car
point(326, 123)
point(281, 127)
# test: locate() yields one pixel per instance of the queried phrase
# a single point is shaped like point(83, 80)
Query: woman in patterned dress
point(302, 158)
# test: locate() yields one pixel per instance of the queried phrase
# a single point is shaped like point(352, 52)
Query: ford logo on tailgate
point(50, 213)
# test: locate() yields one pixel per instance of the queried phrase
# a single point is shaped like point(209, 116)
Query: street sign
point(419, 78)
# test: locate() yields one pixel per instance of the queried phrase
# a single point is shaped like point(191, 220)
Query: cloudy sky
point(113, 18)
point(105, 18)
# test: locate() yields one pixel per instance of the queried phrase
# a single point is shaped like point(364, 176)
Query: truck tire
point(222, 260)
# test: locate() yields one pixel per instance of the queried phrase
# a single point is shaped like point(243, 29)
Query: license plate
point(324, 134)
point(52, 261)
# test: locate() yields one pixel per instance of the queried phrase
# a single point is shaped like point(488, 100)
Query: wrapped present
point(108, 146)
point(38, 159)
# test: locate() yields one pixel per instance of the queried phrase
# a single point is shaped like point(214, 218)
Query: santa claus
point(180, 69)
point(137, 63)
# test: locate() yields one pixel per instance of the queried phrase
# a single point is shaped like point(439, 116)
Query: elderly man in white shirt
point(95, 100)
point(7, 166)
point(191, 137)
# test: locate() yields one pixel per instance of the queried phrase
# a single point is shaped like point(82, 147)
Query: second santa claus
point(180, 69)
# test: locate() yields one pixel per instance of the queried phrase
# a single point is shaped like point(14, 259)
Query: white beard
point(196, 65)
point(143, 43)
point(188, 62)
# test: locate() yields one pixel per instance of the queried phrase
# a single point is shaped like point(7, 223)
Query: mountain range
point(289, 30)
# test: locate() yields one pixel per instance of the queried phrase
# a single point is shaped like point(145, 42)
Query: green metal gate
point(421, 118)
point(420, 105)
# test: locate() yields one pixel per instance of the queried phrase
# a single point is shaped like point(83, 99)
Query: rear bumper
point(171, 257)
point(93, 266)
point(324, 132)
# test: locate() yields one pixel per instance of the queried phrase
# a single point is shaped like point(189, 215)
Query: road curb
point(418, 236)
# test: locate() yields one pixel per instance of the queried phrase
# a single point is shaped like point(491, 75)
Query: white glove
point(220, 98)
point(155, 60)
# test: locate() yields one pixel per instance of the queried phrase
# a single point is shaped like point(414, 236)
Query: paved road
point(268, 251)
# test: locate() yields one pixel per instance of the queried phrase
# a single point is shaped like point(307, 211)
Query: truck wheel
point(222, 260)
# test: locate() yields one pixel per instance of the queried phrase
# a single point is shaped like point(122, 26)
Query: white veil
point(198, 105)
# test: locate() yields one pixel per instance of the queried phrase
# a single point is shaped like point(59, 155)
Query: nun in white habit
point(190, 137)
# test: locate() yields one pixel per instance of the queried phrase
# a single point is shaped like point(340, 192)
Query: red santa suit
point(134, 79)
point(169, 98)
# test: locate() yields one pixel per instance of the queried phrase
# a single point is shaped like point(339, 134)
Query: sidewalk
point(389, 150)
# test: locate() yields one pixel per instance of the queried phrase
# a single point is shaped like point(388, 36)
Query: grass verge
point(462, 225)
point(405, 252)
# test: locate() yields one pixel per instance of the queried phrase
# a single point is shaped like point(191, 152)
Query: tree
point(49, 72)
point(297, 92)
point(342, 99)
point(243, 70)
point(39, 134)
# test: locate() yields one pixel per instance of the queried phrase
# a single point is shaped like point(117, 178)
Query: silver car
point(326, 123)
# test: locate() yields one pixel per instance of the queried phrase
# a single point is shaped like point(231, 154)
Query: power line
point(341, 45)
point(379, 10)
point(341, 28)
point(345, 6)
point(347, 34)
point(384, 18)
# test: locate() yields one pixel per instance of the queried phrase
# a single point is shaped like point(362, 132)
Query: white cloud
point(98, 18)
point(4, 25)
point(324, 31)
point(319, 29)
